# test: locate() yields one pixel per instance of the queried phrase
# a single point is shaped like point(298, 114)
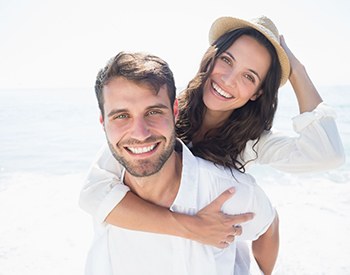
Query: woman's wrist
point(186, 226)
point(297, 71)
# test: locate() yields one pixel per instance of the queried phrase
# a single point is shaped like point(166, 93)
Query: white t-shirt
point(120, 251)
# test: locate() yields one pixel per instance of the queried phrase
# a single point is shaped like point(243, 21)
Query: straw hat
point(262, 24)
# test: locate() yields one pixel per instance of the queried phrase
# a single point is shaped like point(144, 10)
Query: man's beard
point(145, 167)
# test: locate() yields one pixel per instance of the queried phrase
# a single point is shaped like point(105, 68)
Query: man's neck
point(160, 188)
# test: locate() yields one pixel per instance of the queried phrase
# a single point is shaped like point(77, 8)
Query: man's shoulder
point(211, 172)
point(218, 172)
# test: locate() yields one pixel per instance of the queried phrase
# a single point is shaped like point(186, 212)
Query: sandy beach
point(43, 231)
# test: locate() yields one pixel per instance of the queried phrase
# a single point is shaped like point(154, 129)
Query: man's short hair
point(141, 68)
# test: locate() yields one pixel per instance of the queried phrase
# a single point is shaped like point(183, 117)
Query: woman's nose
point(229, 78)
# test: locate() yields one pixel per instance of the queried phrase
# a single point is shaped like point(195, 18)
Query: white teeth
point(141, 150)
point(221, 92)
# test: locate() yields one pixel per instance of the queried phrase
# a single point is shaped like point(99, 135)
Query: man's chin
point(141, 170)
point(143, 174)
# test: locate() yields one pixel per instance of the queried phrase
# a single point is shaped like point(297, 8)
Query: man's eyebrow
point(116, 111)
point(125, 110)
point(252, 71)
point(158, 106)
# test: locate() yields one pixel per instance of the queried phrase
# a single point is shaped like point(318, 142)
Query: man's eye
point(153, 112)
point(121, 116)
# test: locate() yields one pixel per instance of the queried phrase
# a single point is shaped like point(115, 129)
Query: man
point(136, 96)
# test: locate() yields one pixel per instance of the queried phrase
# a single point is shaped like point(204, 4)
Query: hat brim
point(223, 25)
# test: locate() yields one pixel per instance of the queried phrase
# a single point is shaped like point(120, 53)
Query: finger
point(223, 244)
point(230, 239)
point(283, 42)
point(221, 199)
point(240, 218)
point(282, 39)
point(237, 230)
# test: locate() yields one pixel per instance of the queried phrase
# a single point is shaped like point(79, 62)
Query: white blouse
point(316, 147)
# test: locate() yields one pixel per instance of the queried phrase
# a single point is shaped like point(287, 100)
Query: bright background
point(63, 43)
point(50, 52)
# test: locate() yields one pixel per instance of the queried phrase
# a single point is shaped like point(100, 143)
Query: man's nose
point(140, 129)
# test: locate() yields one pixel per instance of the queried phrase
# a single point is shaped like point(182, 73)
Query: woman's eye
point(226, 60)
point(250, 78)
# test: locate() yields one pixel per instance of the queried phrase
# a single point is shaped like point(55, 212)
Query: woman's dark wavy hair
point(224, 144)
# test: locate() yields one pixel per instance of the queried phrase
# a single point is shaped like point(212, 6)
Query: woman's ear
point(256, 95)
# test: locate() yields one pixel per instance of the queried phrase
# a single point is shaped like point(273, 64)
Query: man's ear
point(256, 95)
point(102, 121)
point(176, 108)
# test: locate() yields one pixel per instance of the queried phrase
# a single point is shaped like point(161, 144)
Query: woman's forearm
point(209, 226)
point(305, 91)
point(137, 214)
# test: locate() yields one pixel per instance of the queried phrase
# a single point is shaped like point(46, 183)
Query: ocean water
point(49, 138)
point(48, 131)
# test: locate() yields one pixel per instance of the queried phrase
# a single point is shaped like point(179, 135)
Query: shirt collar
point(187, 194)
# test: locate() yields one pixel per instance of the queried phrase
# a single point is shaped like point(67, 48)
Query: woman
point(226, 114)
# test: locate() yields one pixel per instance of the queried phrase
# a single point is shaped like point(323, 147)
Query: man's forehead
point(133, 96)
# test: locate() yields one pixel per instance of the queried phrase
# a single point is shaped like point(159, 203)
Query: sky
point(63, 44)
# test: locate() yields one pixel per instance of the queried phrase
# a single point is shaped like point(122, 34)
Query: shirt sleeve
point(264, 213)
point(316, 145)
point(102, 189)
point(250, 198)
